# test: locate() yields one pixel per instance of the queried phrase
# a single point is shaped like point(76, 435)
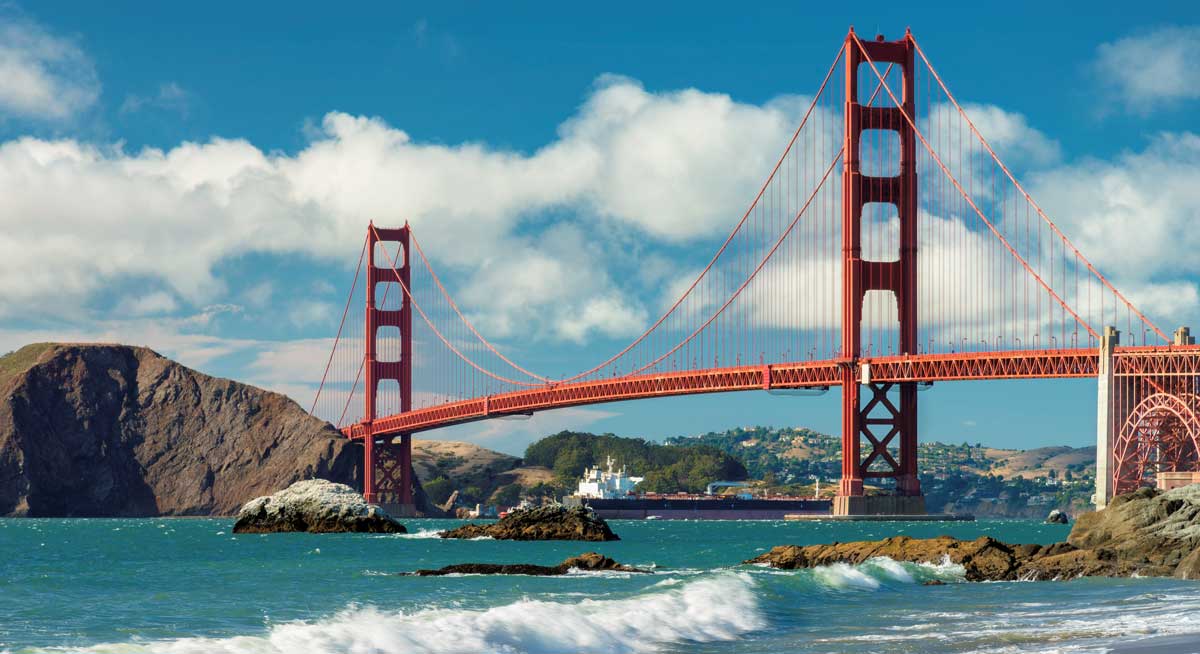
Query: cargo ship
point(611, 494)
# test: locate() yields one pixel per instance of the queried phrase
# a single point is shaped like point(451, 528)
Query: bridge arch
point(1161, 433)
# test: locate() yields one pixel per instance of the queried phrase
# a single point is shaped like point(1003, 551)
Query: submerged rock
point(1057, 517)
point(587, 562)
point(1147, 533)
point(316, 506)
point(555, 522)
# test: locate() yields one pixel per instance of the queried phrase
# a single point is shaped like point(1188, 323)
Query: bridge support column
point(387, 465)
point(390, 464)
point(1106, 418)
point(888, 420)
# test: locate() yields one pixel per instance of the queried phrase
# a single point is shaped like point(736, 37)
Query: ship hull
point(701, 508)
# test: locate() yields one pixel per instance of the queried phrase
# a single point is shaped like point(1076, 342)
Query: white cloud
point(155, 303)
point(303, 313)
point(42, 76)
point(259, 294)
point(1135, 218)
point(170, 96)
point(1015, 141)
point(674, 166)
point(1152, 70)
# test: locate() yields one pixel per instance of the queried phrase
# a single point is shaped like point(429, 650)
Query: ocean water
point(191, 586)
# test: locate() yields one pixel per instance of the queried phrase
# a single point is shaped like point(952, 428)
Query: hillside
point(666, 468)
point(479, 475)
point(984, 481)
point(114, 430)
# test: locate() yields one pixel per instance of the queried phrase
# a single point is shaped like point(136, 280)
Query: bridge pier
point(1105, 418)
point(387, 474)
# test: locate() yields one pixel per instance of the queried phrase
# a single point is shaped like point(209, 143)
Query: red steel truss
point(884, 370)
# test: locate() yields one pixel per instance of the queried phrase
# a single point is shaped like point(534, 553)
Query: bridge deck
point(1023, 364)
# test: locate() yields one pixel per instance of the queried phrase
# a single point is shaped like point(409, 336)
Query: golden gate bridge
point(889, 247)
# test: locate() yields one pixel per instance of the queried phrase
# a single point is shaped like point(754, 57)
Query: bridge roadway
point(1014, 364)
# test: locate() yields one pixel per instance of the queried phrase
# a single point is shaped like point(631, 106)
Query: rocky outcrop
point(1146, 533)
point(555, 522)
point(982, 559)
point(587, 562)
point(113, 430)
point(315, 506)
point(1057, 517)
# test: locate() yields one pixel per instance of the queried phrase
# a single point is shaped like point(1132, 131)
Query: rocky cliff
point(113, 430)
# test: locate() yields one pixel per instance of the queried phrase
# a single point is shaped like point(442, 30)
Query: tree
point(438, 490)
point(509, 495)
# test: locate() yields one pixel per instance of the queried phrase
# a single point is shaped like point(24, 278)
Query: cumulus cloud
point(1135, 217)
point(674, 166)
point(1153, 70)
point(42, 76)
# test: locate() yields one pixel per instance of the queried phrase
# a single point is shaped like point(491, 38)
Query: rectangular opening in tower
point(880, 324)
point(880, 232)
point(388, 347)
point(388, 296)
point(874, 94)
point(879, 151)
point(387, 397)
point(387, 252)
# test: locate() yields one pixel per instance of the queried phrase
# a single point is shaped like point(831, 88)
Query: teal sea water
point(190, 586)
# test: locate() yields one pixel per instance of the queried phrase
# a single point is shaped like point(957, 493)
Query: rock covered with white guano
point(1057, 517)
point(315, 506)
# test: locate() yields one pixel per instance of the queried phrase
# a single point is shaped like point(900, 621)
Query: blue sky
point(197, 178)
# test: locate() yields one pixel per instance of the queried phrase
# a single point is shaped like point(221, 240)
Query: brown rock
point(984, 558)
point(1146, 532)
point(555, 522)
point(113, 430)
point(588, 562)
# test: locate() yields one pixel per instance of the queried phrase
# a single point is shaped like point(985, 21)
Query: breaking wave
point(718, 608)
point(872, 574)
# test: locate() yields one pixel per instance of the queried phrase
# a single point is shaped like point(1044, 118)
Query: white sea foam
point(424, 533)
point(844, 575)
point(873, 573)
point(718, 608)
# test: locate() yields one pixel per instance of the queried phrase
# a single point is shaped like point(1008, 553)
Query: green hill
point(667, 468)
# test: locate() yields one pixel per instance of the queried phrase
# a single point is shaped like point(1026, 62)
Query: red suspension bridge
point(888, 248)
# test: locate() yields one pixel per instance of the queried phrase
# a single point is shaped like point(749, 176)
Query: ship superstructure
point(610, 492)
point(606, 484)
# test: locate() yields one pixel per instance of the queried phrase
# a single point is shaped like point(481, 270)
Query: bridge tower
point(890, 411)
point(387, 465)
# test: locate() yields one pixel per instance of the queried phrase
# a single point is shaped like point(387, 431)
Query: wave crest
point(719, 608)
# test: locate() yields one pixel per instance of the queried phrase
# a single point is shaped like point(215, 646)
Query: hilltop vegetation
point(666, 468)
point(480, 475)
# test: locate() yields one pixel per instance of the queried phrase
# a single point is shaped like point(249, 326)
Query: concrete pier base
point(891, 505)
point(399, 510)
point(1105, 418)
